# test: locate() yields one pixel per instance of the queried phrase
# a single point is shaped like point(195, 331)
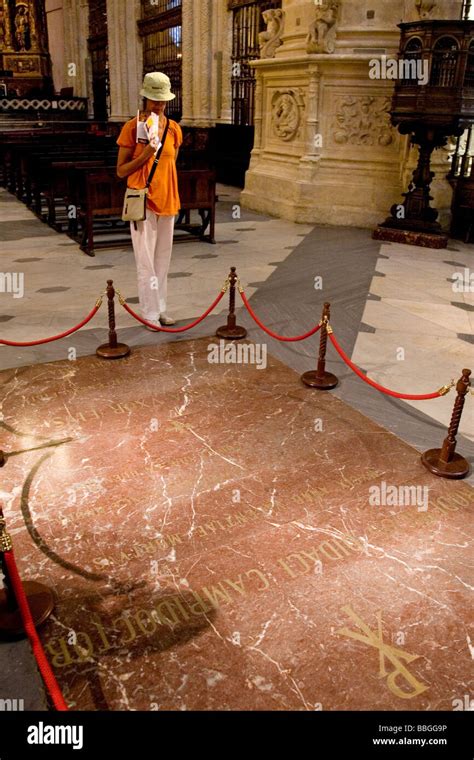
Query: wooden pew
point(101, 199)
point(197, 190)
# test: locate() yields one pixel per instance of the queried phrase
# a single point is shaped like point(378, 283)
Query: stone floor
point(219, 537)
point(384, 298)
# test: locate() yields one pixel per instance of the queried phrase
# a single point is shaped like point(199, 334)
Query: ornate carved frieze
point(322, 30)
point(270, 40)
point(362, 121)
point(287, 109)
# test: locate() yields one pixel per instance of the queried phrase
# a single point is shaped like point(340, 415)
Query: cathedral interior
point(262, 502)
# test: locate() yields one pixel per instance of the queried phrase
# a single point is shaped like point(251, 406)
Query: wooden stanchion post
point(232, 331)
point(112, 349)
point(320, 379)
point(446, 462)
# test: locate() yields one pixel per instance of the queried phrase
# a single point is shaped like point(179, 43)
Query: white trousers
point(152, 245)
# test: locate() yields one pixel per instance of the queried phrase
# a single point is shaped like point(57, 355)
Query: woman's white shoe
point(166, 320)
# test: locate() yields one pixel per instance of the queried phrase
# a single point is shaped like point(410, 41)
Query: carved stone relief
point(362, 121)
point(270, 40)
point(322, 31)
point(425, 8)
point(287, 107)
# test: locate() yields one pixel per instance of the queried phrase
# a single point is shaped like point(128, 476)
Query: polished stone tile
point(211, 535)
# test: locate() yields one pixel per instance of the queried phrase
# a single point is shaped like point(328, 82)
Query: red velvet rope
point(55, 337)
point(381, 388)
point(270, 332)
point(175, 329)
point(38, 651)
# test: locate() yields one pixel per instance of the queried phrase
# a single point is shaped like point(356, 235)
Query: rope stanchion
point(172, 329)
point(320, 379)
point(113, 349)
point(85, 321)
point(272, 334)
point(26, 612)
point(232, 331)
point(40, 598)
point(446, 462)
point(408, 396)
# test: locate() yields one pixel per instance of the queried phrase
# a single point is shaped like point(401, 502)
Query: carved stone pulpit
point(24, 47)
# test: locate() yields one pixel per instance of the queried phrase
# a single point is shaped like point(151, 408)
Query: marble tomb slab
point(210, 534)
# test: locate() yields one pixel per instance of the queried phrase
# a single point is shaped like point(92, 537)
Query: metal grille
point(246, 26)
point(98, 51)
point(161, 30)
point(445, 60)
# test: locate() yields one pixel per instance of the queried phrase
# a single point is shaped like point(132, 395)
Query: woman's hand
point(147, 152)
point(127, 165)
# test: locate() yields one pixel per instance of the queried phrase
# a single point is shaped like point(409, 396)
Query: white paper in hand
point(153, 125)
point(142, 134)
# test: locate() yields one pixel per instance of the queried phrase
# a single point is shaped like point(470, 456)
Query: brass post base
point(119, 352)
point(456, 469)
point(325, 381)
point(231, 333)
point(41, 601)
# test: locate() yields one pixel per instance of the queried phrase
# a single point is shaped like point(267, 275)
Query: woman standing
point(152, 239)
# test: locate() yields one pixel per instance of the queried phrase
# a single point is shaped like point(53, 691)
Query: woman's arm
point(126, 165)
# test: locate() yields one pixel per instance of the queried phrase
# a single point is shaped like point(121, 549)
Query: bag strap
point(155, 162)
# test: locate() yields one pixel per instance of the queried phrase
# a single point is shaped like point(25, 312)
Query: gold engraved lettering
point(200, 607)
point(62, 658)
point(145, 623)
point(85, 653)
point(386, 651)
point(312, 554)
point(262, 577)
point(301, 560)
point(172, 606)
point(128, 625)
point(287, 568)
point(102, 634)
point(331, 551)
point(235, 585)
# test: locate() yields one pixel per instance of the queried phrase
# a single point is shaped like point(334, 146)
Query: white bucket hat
point(157, 86)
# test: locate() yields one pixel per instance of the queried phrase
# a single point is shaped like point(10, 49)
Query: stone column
point(55, 25)
point(125, 58)
point(76, 55)
point(221, 95)
point(187, 68)
point(199, 74)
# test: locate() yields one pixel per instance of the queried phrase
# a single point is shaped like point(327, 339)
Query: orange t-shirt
point(163, 195)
